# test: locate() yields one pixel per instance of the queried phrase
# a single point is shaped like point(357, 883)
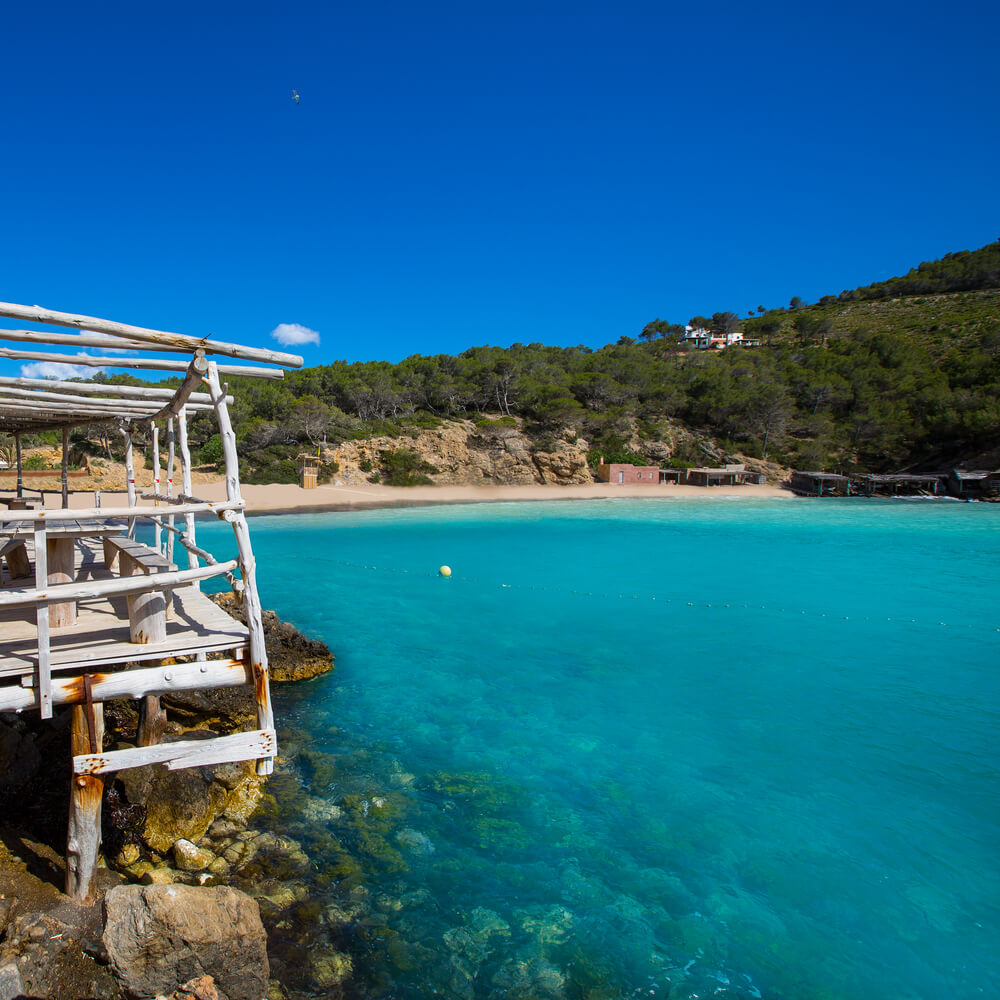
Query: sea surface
point(658, 748)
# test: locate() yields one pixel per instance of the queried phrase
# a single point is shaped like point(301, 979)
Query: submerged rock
point(160, 936)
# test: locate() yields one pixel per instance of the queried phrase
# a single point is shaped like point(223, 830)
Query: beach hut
point(88, 612)
point(820, 484)
point(729, 475)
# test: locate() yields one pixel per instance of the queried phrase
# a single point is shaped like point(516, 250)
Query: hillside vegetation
point(900, 374)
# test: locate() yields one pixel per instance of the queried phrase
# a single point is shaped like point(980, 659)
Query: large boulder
point(161, 936)
point(180, 805)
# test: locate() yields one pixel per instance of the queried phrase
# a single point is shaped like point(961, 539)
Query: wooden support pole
point(157, 531)
point(192, 380)
point(17, 449)
point(248, 566)
point(65, 467)
point(43, 680)
point(83, 841)
point(129, 476)
point(152, 721)
point(170, 486)
point(182, 443)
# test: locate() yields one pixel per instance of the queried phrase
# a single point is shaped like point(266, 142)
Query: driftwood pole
point(17, 449)
point(129, 476)
point(157, 532)
point(248, 566)
point(65, 467)
point(170, 486)
point(83, 841)
point(182, 442)
point(152, 721)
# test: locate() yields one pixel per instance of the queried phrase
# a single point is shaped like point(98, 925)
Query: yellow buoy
point(445, 571)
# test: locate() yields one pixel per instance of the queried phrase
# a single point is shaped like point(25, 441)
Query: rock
point(190, 858)
point(330, 968)
point(291, 656)
point(466, 453)
point(415, 841)
point(180, 805)
point(242, 801)
point(159, 876)
point(202, 988)
point(10, 982)
point(158, 936)
point(19, 757)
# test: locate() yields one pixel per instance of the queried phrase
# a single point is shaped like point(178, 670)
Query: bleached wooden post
point(170, 486)
point(83, 841)
point(248, 566)
point(182, 441)
point(129, 476)
point(157, 531)
point(65, 467)
point(152, 721)
point(17, 449)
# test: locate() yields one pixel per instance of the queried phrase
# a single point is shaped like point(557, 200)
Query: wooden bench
point(148, 612)
point(16, 554)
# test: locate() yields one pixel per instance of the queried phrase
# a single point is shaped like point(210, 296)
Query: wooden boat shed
point(87, 612)
point(820, 484)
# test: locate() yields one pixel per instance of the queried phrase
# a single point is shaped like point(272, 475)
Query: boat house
point(88, 612)
point(820, 484)
point(729, 475)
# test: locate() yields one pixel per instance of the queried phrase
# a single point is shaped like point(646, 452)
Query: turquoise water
point(647, 748)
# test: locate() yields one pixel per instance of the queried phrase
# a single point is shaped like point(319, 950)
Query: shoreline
point(290, 499)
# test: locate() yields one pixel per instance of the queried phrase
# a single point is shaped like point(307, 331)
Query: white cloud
point(291, 334)
point(58, 370)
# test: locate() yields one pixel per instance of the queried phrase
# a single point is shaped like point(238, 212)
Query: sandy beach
point(329, 497)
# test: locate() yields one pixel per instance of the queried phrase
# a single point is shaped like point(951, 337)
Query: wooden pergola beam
point(139, 364)
point(39, 314)
point(96, 389)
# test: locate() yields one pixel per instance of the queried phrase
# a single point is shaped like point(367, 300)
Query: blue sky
point(470, 173)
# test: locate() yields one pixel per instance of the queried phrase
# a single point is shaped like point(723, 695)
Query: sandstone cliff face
point(470, 454)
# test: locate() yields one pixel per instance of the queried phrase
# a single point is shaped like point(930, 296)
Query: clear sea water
point(653, 748)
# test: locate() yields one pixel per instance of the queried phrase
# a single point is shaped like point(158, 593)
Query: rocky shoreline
point(186, 831)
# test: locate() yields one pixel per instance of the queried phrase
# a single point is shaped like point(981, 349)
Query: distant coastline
point(280, 498)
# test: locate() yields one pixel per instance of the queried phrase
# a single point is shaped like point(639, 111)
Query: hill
point(869, 380)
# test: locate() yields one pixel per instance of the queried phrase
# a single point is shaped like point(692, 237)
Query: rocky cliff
point(466, 453)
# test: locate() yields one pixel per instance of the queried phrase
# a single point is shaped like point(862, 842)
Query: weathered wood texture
point(141, 364)
point(106, 513)
point(37, 314)
point(43, 596)
point(257, 745)
point(248, 566)
point(152, 721)
point(115, 392)
point(43, 679)
point(134, 683)
point(83, 841)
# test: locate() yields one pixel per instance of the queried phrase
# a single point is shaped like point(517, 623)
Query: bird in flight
point(295, 96)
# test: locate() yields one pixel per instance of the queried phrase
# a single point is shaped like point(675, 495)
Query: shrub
point(34, 462)
point(403, 467)
point(211, 452)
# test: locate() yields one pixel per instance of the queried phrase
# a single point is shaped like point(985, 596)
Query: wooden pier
point(87, 612)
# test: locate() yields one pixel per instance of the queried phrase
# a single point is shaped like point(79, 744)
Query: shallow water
point(649, 748)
